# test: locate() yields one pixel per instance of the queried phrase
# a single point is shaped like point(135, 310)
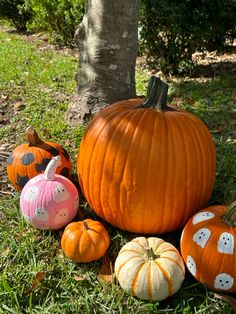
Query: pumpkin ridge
point(203, 176)
point(191, 126)
point(141, 244)
point(150, 282)
point(209, 252)
point(65, 242)
point(105, 156)
point(108, 120)
point(166, 276)
point(129, 250)
point(119, 147)
point(136, 114)
point(148, 172)
point(90, 157)
point(135, 280)
point(174, 261)
point(124, 262)
point(191, 201)
point(172, 162)
point(185, 173)
point(136, 119)
point(210, 174)
point(164, 139)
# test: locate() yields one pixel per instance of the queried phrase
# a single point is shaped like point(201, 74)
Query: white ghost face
point(202, 236)
point(62, 215)
point(31, 194)
point(41, 214)
point(226, 243)
point(191, 265)
point(223, 281)
point(202, 217)
point(60, 193)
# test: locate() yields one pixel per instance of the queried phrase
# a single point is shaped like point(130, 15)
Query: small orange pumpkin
point(146, 167)
point(30, 159)
point(85, 241)
point(208, 247)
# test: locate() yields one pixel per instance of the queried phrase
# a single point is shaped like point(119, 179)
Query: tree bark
point(108, 43)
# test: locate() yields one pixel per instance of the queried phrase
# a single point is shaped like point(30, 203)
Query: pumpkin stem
point(150, 255)
point(50, 170)
point(32, 137)
point(85, 225)
point(230, 216)
point(156, 95)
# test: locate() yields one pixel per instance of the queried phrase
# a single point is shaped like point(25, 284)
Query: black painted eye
point(65, 172)
point(21, 180)
point(27, 159)
point(53, 151)
point(10, 160)
point(39, 167)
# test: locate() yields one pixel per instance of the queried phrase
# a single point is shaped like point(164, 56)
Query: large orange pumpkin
point(208, 247)
point(30, 159)
point(146, 167)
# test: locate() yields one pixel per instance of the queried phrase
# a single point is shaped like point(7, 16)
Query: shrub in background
point(59, 17)
point(172, 30)
point(14, 11)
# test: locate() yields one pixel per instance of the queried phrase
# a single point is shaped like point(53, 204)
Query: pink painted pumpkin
point(49, 200)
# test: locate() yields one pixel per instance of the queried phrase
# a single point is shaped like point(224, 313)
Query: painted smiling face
point(62, 215)
point(31, 194)
point(202, 236)
point(60, 193)
point(223, 281)
point(41, 214)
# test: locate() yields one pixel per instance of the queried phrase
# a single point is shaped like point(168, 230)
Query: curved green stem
point(156, 95)
point(230, 215)
point(85, 225)
point(150, 255)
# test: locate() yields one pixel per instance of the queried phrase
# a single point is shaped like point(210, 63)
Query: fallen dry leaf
point(80, 277)
point(106, 272)
point(37, 279)
point(19, 105)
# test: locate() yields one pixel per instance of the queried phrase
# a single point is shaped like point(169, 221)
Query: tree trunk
point(108, 43)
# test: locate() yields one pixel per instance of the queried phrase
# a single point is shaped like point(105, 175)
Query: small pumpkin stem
point(32, 137)
point(85, 225)
point(230, 215)
point(50, 170)
point(156, 95)
point(150, 255)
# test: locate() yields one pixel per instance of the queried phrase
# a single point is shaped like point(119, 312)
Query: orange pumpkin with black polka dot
point(208, 247)
point(30, 159)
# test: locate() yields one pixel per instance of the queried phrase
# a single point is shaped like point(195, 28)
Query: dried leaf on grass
point(37, 279)
point(79, 277)
point(229, 300)
point(106, 272)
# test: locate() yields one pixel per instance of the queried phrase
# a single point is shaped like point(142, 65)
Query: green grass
point(42, 81)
